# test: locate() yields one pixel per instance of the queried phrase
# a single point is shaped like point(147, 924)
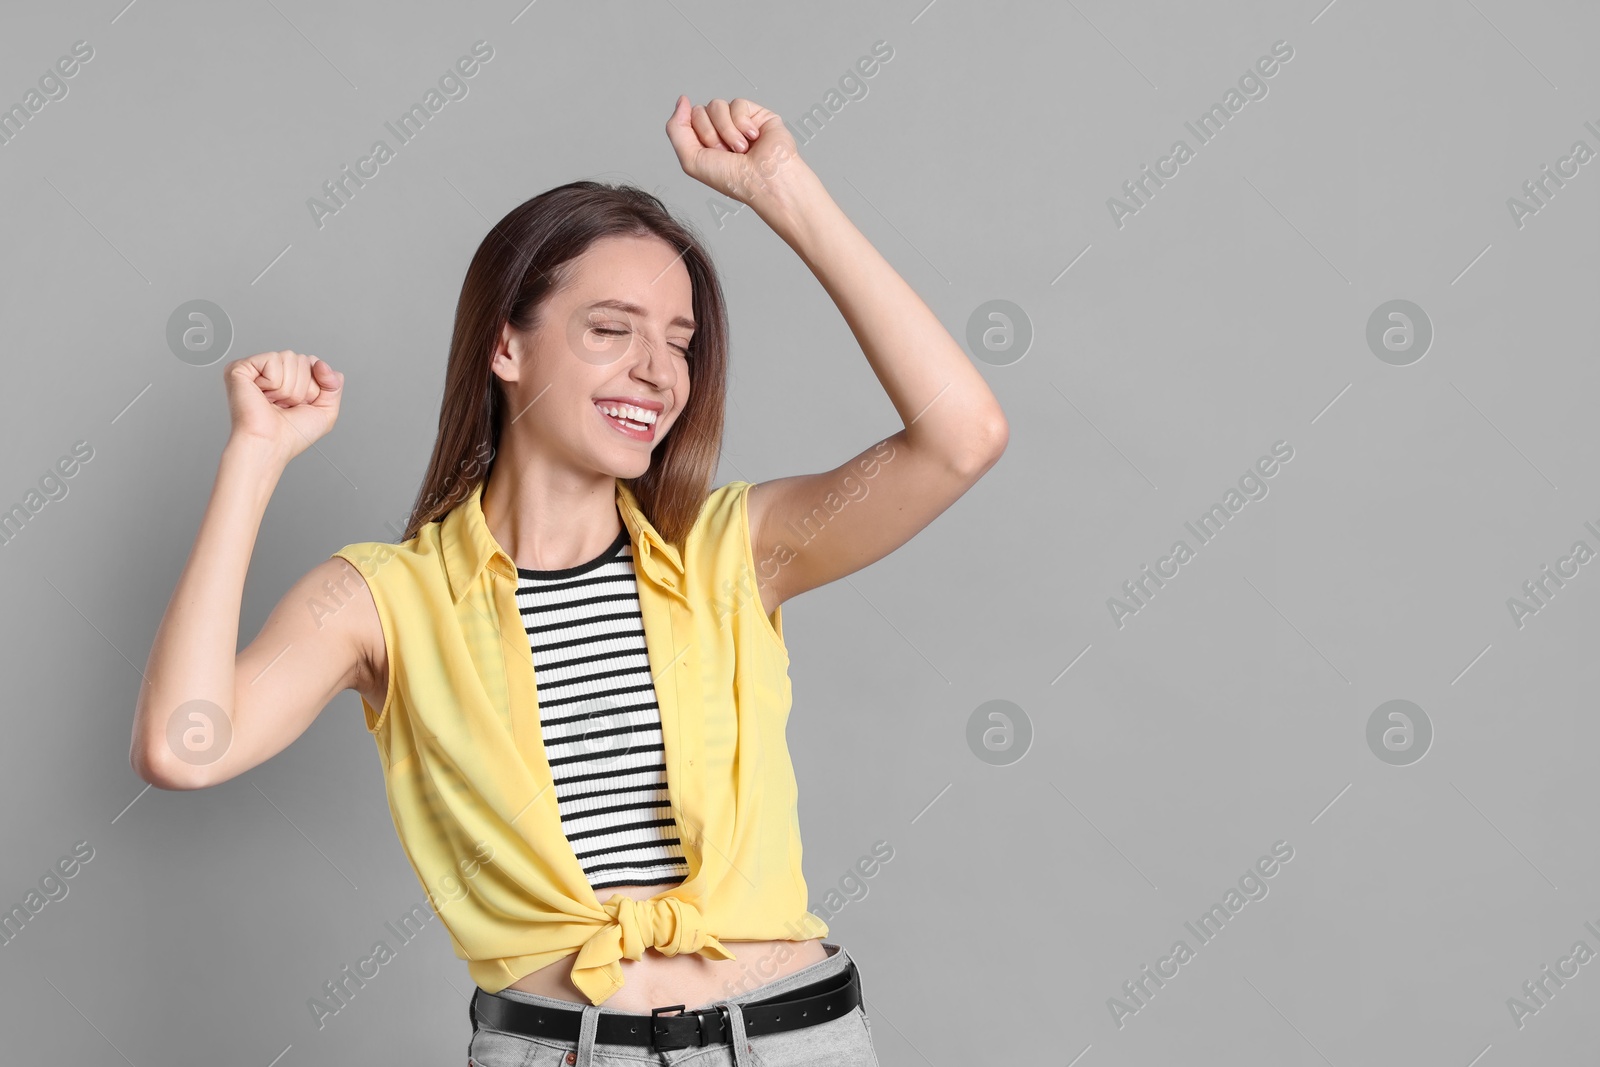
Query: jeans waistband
point(837, 962)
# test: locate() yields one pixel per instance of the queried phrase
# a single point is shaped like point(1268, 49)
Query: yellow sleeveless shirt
point(470, 789)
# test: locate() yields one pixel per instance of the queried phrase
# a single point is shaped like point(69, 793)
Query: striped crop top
point(599, 719)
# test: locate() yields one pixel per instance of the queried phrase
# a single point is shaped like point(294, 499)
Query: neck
point(548, 518)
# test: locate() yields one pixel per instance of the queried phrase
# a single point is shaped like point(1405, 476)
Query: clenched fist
point(738, 148)
point(284, 399)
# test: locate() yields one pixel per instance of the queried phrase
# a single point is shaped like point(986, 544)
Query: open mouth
point(637, 423)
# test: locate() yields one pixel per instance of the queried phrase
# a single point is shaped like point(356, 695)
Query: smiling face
point(602, 378)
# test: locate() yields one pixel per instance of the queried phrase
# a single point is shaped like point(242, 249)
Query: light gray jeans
point(842, 1042)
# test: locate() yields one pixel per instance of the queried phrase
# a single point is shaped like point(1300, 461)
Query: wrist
point(788, 195)
point(259, 455)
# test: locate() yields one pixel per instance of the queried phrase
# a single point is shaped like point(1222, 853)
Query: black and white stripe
point(600, 720)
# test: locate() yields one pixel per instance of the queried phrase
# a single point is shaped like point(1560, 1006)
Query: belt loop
point(736, 1039)
point(850, 965)
point(586, 1034)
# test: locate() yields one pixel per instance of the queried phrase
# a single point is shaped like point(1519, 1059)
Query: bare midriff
point(688, 978)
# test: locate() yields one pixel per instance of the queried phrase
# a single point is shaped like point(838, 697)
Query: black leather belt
point(822, 1000)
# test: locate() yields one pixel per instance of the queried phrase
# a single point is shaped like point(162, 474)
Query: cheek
point(675, 414)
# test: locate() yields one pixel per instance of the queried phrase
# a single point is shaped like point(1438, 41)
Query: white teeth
point(643, 416)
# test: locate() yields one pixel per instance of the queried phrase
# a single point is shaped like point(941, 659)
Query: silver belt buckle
point(661, 1039)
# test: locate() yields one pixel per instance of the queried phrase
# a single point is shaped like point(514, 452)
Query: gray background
point(1229, 313)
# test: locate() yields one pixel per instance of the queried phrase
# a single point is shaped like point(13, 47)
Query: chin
point(629, 470)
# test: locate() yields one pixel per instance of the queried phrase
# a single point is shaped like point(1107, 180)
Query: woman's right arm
point(206, 711)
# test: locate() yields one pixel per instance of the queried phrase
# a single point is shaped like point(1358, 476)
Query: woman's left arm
point(954, 429)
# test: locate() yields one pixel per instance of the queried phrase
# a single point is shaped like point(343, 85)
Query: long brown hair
point(527, 256)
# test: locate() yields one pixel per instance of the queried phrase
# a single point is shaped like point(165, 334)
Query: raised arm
point(206, 711)
point(954, 430)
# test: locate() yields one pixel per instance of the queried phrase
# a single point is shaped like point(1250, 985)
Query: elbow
point(163, 771)
point(148, 769)
point(999, 435)
point(986, 446)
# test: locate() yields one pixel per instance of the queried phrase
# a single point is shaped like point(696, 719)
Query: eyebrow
point(635, 309)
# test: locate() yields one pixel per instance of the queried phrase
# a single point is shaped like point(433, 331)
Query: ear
point(505, 360)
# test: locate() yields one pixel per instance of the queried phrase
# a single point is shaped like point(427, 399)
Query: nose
point(653, 364)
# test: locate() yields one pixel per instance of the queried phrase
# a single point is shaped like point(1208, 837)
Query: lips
point(636, 431)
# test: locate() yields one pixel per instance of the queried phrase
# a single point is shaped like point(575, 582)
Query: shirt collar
point(468, 546)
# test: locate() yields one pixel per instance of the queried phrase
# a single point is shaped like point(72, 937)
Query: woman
point(577, 701)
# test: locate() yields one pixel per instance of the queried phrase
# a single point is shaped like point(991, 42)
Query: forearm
point(196, 645)
point(944, 402)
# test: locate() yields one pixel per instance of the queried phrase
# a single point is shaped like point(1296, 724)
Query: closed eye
point(619, 333)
